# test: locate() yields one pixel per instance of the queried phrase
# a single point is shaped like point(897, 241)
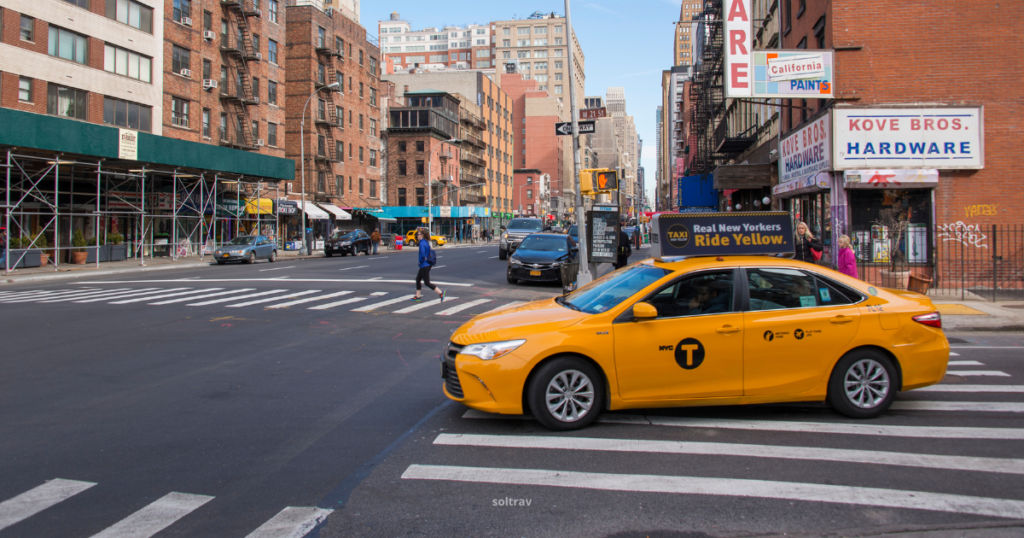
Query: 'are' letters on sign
point(737, 48)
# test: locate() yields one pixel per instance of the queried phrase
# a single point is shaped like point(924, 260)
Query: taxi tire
point(542, 378)
point(837, 397)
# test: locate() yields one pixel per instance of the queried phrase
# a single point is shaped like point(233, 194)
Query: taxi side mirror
point(642, 311)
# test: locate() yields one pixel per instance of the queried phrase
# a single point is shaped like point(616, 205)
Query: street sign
point(565, 128)
point(593, 113)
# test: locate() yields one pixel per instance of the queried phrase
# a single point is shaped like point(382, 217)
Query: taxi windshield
point(549, 243)
point(610, 290)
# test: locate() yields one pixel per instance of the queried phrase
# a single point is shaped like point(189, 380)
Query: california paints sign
point(884, 138)
point(807, 151)
point(737, 48)
point(793, 74)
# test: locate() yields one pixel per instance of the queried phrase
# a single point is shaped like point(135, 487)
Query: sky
point(625, 44)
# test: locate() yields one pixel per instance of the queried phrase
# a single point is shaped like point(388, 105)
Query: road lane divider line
point(980, 407)
point(166, 295)
point(872, 457)
point(292, 522)
point(39, 498)
point(194, 297)
point(133, 293)
point(156, 516)
point(272, 299)
point(329, 306)
point(422, 305)
point(965, 363)
point(973, 388)
point(381, 304)
point(978, 373)
point(726, 487)
point(310, 299)
point(461, 307)
point(278, 268)
point(235, 298)
point(91, 294)
point(350, 268)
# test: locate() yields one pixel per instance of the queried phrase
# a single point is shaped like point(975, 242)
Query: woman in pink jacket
point(847, 261)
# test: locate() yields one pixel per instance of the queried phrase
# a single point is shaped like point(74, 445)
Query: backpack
point(432, 257)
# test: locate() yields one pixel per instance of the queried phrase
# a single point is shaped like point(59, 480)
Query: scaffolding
point(126, 211)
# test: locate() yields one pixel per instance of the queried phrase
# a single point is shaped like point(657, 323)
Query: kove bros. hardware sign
point(807, 151)
point(941, 138)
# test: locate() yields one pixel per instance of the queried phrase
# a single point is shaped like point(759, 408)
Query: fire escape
point(326, 118)
point(237, 56)
point(707, 92)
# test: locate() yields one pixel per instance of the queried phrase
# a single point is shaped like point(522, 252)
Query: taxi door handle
point(728, 329)
point(841, 319)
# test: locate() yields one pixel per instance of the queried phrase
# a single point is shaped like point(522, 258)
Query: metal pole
point(584, 276)
point(174, 218)
point(995, 257)
point(56, 210)
point(302, 159)
point(430, 194)
point(142, 220)
point(99, 177)
point(7, 219)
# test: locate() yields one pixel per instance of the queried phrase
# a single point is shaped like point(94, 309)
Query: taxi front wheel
point(566, 394)
point(863, 384)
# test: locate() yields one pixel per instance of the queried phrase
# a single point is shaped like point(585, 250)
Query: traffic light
point(598, 180)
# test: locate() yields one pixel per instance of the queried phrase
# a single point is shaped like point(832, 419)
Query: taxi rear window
point(608, 291)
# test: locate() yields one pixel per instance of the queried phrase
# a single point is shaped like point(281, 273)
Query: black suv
point(345, 242)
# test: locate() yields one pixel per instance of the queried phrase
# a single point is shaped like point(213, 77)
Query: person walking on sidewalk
point(846, 260)
point(427, 259)
point(375, 239)
point(624, 250)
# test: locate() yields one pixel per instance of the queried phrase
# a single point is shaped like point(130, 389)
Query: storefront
point(805, 187)
point(743, 186)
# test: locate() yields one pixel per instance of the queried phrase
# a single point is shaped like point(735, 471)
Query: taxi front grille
point(450, 374)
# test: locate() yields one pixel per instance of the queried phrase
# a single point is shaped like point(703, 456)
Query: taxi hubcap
point(570, 396)
point(867, 383)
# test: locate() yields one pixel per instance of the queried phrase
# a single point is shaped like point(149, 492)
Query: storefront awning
point(891, 179)
point(263, 206)
point(339, 213)
point(815, 183)
point(315, 212)
point(743, 176)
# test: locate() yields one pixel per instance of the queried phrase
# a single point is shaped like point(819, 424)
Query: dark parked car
point(574, 233)
point(540, 258)
point(345, 242)
point(246, 249)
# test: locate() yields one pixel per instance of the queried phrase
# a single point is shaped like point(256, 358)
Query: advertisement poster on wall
point(940, 138)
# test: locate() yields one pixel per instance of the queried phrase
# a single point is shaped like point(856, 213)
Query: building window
point(402, 169)
point(223, 126)
point(207, 21)
point(419, 169)
point(373, 96)
point(69, 45)
point(180, 59)
point(339, 117)
point(401, 197)
point(373, 157)
point(339, 185)
point(360, 90)
point(506, 43)
point(67, 102)
point(321, 109)
point(321, 180)
point(321, 38)
point(402, 147)
point(255, 128)
point(419, 147)
point(272, 8)
point(272, 134)
point(360, 185)
point(529, 194)
point(558, 41)
point(321, 145)
point(373, 188)
point(131, 13)
point(360, 153)
point(179, 112)
point(321, 74)
point(182, 9)
point(419, 196)
point(206, 123)
point(558, 53)
point(350, 152)
point(131, 115)
point(339, 45)
point(373, 127)
point(523, 30)
point(360, 63)
point(272, 51)
point(28, 27)
point(360, 122)
point(127, 63)
point(558, 65)
point(819, 32)
point(207, 68)
point(25, 89)
point(558, 89)
point(272, 92)
point(558, 29)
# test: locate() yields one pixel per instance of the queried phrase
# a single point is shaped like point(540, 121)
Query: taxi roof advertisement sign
point(722, 234)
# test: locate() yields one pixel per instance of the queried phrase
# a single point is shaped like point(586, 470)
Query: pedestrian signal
point(598, 180)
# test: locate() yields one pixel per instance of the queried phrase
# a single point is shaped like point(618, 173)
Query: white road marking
point(422, 305)
point(504, 306)
point(965, 363)
point(38, 499)
point(439, 266)
point(292, 522)
point(729, 487)
point(972, 388)
point(375, 306)
point(272, 299)
point(482, 252)
point(329, 306)
point(379, 293)
point(155, 517)
point(310, 299)
point(132, 293)
point(380, 258)
point(951, 347)
point(978, 373)
point(62, 294)
point(229, 299)
point(901, 459)
point(140, 299)
point(278, 268)
point(350, 268)
point(91, 294)
point(994, 407)
point(952, 354)
point(492, 257)
point(33, 293)
point(194, 297)
point(461, 307)
point(928, 432)
point(279, 279)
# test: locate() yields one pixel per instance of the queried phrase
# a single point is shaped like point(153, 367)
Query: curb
point(87, 273)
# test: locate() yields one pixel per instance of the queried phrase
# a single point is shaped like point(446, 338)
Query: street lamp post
point(430, 200)
point(584, 277)
point(302, 159)
point(521, 197)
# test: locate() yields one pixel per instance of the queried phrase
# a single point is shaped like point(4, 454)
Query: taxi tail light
point(933, 319)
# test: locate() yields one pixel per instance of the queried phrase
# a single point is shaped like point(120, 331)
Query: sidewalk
point(975, 315)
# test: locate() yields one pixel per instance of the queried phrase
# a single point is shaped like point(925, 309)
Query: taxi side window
point(833, 294)
point(779, 288)
point(706, 293)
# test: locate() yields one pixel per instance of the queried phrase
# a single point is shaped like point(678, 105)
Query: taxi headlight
point(492, 350)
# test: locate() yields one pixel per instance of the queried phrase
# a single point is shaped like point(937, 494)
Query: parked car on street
point(515, 232)
point(246, 249)
point(435, 240)
point(345, 242)
point(540, 257)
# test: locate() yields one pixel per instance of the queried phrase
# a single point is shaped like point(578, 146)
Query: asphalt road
point(234, 408)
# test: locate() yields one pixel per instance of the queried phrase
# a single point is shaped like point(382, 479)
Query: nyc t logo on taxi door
point(689, 353)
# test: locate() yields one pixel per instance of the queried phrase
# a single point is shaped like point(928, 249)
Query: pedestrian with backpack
point(427, 259)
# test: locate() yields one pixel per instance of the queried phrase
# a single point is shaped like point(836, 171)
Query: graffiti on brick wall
point(980, 210)
point(968, 234)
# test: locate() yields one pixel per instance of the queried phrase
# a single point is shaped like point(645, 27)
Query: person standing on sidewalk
point(846, 260)
point(375, 239)
point(624, 250)
point(805, 244)
point(426, 261)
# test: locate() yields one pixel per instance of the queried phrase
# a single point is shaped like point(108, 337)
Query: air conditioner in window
point(259, 13)
point(209, 35)
point(259, 56)
point(187, 21)
point(260, 143)
point(186, 73)
point(209, 83)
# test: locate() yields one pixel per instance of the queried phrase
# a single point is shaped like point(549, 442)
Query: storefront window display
point(814, 209)
point(891, 226)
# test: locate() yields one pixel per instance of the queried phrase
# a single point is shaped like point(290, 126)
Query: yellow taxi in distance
point(699, 331)
point(435, 240)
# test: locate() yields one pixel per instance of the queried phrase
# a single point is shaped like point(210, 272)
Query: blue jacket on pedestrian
point(424, 251)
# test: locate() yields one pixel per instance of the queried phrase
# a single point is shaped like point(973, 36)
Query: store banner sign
point(807, 184)
point(807, 152)
point(718, 234)
point(890, 179)
point(886, 138)
point(738, 44)
point(800, 74)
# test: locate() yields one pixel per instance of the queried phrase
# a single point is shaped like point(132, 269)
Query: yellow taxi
point(435, 240)
point(697, 331)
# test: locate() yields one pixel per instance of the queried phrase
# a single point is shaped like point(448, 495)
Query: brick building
point(537, 149)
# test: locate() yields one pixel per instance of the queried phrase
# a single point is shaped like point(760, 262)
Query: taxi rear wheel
point(863, 384)
point(566, 394)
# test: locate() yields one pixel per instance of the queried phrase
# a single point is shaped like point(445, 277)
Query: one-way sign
point(565, 128)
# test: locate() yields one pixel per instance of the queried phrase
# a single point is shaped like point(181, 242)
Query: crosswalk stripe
point(292, 522)
point(71, 295)
point(729, 487)
point(205, 296)
point(965, 363)
point(422, 305)
point(953, 354)
point(978, 373)
point(995, 407)
point(164, 296)
point(155, 517)
point(27, 293)
point(504, 306)
point(272, 299)
point(133, 293)
point(68, 293)
point(90, 295)
point(375, 306)
point(235, 298)
point(379, 293)
point(38, 499)
point(972, 388)
point(902, 459)
point(310, 299)
point(329, 306)
point(461, 307)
